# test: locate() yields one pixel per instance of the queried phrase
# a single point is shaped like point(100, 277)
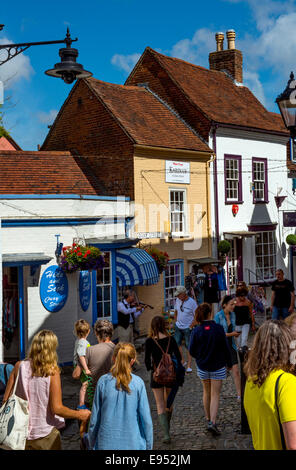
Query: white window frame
point(259, 182)
point(100, 304)
point(268, 253)
point(178, 233)
point(169, 299)
point(233, 181)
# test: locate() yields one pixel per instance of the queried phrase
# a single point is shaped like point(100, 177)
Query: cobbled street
point(188, 427)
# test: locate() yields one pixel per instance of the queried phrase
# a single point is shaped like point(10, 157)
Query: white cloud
point(125, 62)
point(15, 69)
point(252, 81)
point(195, 50)
point(47, 118)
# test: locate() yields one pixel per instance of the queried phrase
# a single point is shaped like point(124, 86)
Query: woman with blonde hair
point(269, 397)
point(120, 418)
point(291, 322)
point(158, 341)
point(39, 382)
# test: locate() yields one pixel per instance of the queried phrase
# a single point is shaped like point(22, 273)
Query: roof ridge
point(36, 152)
point(195, 66)
point(185, 61)
point(115, 85)
point(174, 112)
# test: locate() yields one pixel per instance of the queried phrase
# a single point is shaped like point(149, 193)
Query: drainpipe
point(216, 207)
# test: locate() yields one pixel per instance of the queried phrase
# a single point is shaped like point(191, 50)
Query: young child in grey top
point(82, 330)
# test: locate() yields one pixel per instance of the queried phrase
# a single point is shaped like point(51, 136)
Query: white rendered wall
point(250, 145)
point(28, 239)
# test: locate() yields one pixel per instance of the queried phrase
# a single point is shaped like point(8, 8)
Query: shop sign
point(149, 234)
point(289, 219)
point(84, 289)
point(177, 172)
point(53, 289)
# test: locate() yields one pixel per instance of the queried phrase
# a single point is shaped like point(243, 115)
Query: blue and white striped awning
point(135, 267)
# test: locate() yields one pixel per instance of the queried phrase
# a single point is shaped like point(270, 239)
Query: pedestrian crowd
point(113, 408)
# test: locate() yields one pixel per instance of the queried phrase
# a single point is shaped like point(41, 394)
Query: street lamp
point(67, 69)
point(286, 102)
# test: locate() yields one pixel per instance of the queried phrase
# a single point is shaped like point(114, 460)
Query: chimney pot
point(230, 34)
point(219, 41)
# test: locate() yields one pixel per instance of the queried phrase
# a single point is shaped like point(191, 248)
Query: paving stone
point(188, 425)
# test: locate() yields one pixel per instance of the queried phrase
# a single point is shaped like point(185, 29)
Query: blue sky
point(113, 33)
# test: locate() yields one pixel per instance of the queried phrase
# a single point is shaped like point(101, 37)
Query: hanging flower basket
point(291, 240)
point(224, 247)
point(81, 258)
point(161, 258)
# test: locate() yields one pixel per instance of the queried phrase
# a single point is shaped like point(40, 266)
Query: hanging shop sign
point(84, 289)
point(289, 219)
point(53, 289)
point(177, 172)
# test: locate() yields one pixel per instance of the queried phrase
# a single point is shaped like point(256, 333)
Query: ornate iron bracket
point(13, 50)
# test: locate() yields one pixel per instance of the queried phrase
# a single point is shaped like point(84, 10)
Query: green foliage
point(3, 131)
point(224, 247)
point(161, 258)
point(291, 239)
point(78, 257)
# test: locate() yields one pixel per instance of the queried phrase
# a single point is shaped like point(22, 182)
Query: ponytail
point(123, 354)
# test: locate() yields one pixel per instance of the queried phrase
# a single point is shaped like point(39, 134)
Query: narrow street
point(188, 429)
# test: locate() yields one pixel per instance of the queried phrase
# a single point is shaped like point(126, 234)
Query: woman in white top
point(39, 382)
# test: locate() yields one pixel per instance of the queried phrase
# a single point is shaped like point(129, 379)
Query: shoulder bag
point(278, 413)
point(14, 422)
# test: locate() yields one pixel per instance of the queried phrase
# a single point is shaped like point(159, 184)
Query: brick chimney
point(228, 60)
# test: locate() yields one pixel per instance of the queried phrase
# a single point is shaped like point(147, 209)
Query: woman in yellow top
point(269, 358)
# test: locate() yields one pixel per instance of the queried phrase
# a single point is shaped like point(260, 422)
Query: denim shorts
point(219, 374)
point(180, 334)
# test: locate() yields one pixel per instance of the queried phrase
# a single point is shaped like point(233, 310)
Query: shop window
point(265, 246)
point(177, 211)
point(172, 278)
point(104, 290)
point(10, 315)
point(233, 179)
point(260, 183)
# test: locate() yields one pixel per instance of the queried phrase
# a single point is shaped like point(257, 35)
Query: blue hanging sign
point(53, 288)
point(84, 289)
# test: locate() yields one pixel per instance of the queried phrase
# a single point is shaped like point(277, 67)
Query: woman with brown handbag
point(158, 342)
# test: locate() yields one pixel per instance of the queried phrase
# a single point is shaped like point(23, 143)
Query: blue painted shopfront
point(129, 266)
point(19, 261)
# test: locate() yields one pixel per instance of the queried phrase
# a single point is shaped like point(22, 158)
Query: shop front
point(14, 295)
point(126, 266)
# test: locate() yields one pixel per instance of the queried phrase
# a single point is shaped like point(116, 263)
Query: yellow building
point(172, 210)
point(131, 143)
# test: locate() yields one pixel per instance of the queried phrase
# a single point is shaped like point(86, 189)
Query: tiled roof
point(24, 172)
point(145, 119)
point(7, 143)
point(217, 96)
